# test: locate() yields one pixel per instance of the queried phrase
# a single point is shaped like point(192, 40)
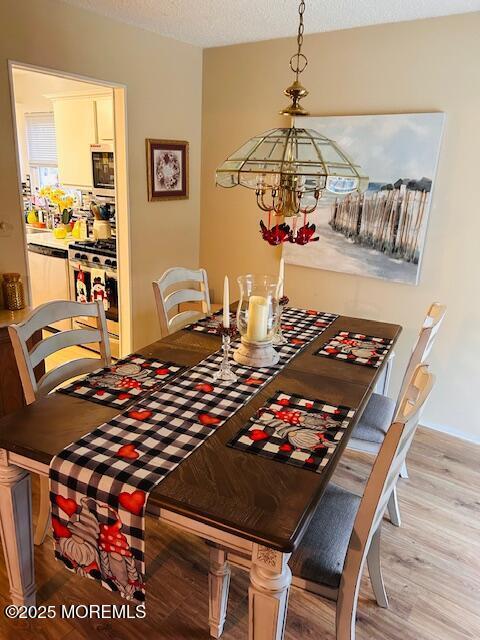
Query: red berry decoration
point(284, 401)
point(286, 446)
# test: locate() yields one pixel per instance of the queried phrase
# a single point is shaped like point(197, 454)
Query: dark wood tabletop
point(256, 498)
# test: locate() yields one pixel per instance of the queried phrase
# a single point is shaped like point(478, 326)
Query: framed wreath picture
point(167, 169)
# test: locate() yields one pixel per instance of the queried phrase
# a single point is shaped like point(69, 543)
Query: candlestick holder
point(225, 371)
point(278, 337)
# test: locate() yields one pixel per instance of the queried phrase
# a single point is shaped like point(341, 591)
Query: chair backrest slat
point(61, 340)
point(424, 344)
point(175, 287)
point(44, 316)
point(63, 372)
point(379, 487)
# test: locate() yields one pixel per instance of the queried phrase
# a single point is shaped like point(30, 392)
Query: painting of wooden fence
point(389, 220)
point(382, 232)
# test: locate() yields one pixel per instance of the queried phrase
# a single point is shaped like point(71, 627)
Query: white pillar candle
point(257, 325)
point(281, 277)
point(226, 304)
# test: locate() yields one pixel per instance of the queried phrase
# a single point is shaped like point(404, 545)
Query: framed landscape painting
point(167, 169)
point(381, 232)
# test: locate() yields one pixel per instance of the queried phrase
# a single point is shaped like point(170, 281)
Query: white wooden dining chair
point(27, 360)
point(178, 286)
point(345, 530)
point(370, 430)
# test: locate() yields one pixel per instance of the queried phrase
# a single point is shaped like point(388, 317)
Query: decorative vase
point(13, 292)
point(257, 317)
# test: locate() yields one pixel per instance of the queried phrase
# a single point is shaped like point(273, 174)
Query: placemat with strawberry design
point(211, 324)
point(100, 484)
point(124, 382)
point(295, 430)
point(356, 348)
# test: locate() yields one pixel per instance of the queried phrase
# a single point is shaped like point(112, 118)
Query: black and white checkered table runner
point(100, 484)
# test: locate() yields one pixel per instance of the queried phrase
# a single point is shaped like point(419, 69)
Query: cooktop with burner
point(96, 252)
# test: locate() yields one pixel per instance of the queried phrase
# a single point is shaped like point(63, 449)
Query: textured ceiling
point(210, 23)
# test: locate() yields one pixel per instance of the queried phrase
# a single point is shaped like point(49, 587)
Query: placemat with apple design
point(356, 348)
point(100, 484)
point(295, 430)
point(124, 382)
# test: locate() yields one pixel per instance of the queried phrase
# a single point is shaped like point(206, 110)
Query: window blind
point(41, 140)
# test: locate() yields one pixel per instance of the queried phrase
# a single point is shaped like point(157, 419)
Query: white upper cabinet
point(104, 110)
point(79, 122)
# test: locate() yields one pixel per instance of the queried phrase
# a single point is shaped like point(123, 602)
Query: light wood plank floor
point(431, 566)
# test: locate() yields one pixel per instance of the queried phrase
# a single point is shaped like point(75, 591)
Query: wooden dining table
point(253, 506)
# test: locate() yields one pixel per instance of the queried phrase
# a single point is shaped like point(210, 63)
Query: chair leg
point(43, 512)
point(218, 585)
point(375, 570)
point(404, 471)
point(393, 508)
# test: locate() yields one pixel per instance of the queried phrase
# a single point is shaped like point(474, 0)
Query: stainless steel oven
point(93, 276)
point(103, 169)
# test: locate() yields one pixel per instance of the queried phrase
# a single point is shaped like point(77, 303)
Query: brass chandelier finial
point(298, 62)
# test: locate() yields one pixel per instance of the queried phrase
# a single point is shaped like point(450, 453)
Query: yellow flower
point(45, 192)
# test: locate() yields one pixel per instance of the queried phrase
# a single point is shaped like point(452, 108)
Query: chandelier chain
point(298, 61)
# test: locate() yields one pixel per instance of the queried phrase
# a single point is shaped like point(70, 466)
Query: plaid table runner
point(121, 384)
point(211, 324)
point(100, 484)
point(295, 430)
point(356, 348)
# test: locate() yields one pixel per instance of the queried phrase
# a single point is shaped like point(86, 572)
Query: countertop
point(47, 239)
point(12, 317)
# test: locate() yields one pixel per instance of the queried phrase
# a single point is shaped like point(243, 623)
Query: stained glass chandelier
point(290, 168)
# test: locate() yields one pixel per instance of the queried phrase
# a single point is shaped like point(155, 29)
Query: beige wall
point(164, 84)
point(429, 65)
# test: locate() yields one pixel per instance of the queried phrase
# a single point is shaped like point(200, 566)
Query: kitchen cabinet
point(49, 278)
point(104, 113)
point(79, 122)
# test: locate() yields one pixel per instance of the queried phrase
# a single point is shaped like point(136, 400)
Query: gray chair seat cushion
point(375, 420)
point(321, 554)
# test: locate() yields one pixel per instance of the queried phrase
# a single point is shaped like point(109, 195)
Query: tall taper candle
point(281, 277)
point(226, 304)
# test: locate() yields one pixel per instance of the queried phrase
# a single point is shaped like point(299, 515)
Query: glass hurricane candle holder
point(278, 337)
point(257, 318)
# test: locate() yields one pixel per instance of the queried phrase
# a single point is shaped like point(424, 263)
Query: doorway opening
point(72, 167)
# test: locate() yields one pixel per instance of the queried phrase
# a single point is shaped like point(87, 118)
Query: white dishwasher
point(49, 277)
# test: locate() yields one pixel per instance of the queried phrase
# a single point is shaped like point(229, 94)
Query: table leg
point(270, 579)
point(218, 586)
point(16, 530)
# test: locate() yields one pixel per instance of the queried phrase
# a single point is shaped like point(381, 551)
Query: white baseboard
point(470, 437)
